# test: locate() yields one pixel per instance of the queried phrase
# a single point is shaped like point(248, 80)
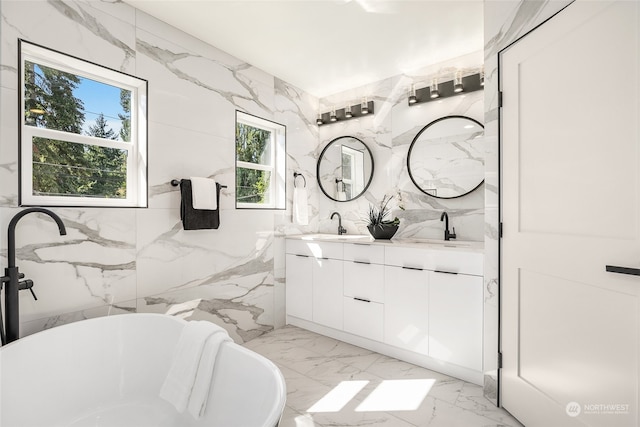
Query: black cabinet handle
point(361, 262)
point(444, 272)
point(303, 256)
point(361, 299)
point(623, 270)
point(413, 268)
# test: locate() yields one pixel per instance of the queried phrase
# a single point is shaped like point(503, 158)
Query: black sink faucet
point(447, 235)
point(12, 277)
point(341, 229)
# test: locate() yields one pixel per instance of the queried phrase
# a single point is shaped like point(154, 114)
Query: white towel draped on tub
point(203, 193)
point(300, 207)
point(189, 379)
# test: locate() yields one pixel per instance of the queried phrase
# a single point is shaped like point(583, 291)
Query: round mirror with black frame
point(345, 169)
point(445, 159)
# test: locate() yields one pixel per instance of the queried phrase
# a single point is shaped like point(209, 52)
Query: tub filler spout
point(11, 279)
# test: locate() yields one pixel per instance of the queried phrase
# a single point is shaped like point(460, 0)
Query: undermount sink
point(343, 237)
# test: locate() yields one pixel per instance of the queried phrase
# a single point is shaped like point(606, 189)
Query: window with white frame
point(83, 133)
point(260, 163)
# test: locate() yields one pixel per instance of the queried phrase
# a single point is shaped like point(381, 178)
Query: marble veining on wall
point(389, 134)
point(128, 260)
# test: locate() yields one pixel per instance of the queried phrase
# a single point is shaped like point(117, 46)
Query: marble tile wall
point(389, 133)
point(504, 23)
point(126, 260)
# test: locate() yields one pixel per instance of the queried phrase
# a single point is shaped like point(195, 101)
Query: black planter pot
point(382, 231)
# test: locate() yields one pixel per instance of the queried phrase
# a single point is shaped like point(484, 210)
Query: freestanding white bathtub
point(107, 372)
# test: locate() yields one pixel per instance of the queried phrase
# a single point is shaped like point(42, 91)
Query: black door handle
point(623, 270)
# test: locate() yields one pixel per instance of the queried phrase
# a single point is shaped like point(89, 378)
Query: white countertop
point(406, 242)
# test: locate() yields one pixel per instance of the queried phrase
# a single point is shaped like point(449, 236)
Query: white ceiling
point(327, 46)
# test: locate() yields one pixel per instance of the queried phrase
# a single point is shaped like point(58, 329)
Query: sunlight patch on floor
point(338, 397)
point(397, 395)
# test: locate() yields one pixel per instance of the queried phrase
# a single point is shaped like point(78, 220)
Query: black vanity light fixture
point(438, 90)
point(351, 111)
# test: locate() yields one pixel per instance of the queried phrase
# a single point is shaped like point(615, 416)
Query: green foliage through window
point(62, 168)
point(252, 185)
point(260, 163)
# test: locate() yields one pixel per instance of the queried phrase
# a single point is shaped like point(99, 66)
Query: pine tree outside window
point(260, 163)
point(83, 132)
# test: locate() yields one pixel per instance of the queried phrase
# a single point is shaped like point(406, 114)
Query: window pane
point(67, 102)
point(346, 165)
point(253, 144)
point(252, 186)
point(62, 168)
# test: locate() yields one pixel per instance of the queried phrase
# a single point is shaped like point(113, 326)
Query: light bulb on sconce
point(482, 77)
point(412, 95)
point(457, 82)
point(319, 121)
point(332, 115)
point(433, 89)
point(364, 107)
point(347, 112)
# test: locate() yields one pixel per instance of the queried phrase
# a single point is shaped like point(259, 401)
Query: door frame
point(500, 195)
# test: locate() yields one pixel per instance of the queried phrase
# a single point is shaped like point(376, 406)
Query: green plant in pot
point(378, 223)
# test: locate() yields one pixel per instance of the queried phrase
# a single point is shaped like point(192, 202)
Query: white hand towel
point(178, 385)
point(204, 193)
point(300, 207)
point(202, 385)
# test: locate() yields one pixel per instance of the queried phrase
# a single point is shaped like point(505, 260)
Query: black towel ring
point(295, 175)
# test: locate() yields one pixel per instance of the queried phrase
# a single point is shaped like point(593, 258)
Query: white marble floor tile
point(332, 383)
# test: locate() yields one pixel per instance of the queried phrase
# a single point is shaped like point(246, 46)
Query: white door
point(571, 206)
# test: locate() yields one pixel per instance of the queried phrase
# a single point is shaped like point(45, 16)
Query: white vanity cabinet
point(441, 293)
point(364, 290)
point(299, 292)
point(422, 303)
point(314, 282)
point(406, 320)
point(455, 318)
point(327, 292)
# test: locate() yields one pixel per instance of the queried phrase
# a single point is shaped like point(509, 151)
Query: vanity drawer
point(364, 281)
point(315, 249)
point(448, 261)
point(363, 318)
point(364, 252)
